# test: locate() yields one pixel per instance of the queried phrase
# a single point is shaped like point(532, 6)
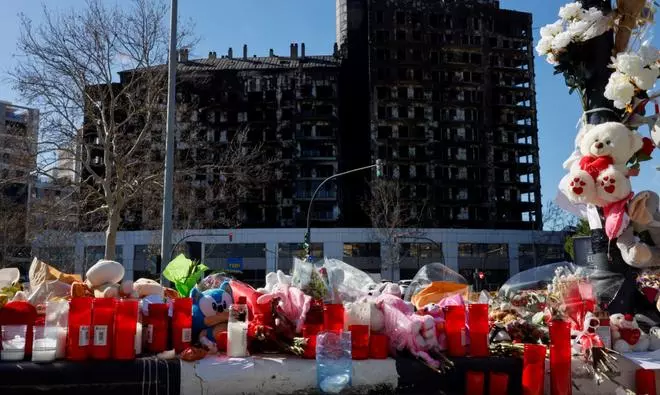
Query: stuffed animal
point(654, 335)
point(626, 335)
point(274, 278)
point(148, 291)
point(598, 175)
point(644, 214)
point(292, 302)
point(211, 315)
point(103, 281)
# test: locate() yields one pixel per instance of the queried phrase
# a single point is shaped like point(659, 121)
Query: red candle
point(478, 320)
point(378, 346)
point(533, 369)
point(103, 321)
point(181, 324)
point(474, 383)
point(333, 317)
point(645, 382)
point(560, 358)
point(309, 332)
point(80, 320)
point(315, 314)
point(126, 317)
point(455, 330)
point(157, 327)
point(359, 341)
point(499, 383)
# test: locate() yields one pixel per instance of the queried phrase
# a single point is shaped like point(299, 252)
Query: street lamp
point(307, 241)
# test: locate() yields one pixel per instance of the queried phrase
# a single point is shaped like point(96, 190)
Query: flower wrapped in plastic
point(434, 282)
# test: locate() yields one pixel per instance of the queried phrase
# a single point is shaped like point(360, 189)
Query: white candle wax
point(13, 349)
point(237, 339)
point(44, 350)
point(138, 339)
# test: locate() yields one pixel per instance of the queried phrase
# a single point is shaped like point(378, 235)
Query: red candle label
point(150, 333)
point(186, 335)
point(100, 335)
point(83, 336)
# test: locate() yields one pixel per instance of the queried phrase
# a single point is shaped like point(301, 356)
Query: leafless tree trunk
point(97, 74)
point(392, 217)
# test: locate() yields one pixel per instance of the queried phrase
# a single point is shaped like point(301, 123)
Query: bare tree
point(97, 75)
point(392, 217)
point(12, 229)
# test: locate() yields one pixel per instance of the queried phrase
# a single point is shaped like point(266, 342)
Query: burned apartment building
point(285, 104)
point(447, 90)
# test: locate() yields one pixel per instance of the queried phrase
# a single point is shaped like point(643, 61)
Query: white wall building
point(501, 253)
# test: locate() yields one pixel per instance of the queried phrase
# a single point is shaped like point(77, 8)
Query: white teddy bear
point(274, 278)
point(626, 335)
point(598, 173)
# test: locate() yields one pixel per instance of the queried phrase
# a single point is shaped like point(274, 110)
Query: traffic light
point(231, 237)
point(379, 168)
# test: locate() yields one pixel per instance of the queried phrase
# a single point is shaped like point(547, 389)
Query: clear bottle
point(237, 329)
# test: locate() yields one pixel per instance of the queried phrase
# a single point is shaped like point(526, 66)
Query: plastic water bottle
point(334, 364)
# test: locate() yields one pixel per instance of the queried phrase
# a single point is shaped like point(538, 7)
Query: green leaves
point(184, 273)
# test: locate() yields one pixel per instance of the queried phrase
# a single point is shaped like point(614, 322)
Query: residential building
point(451, 102)
point(18, 141)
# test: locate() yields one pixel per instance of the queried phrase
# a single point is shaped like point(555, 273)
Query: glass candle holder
point(379, 347)
point(44, 344)
point(357, 320)
point(157, 327)
point(645, 382)
point(181, 324)
point(334, 365)
point(474, 383)
point(499, 383)
point(479, 328)
point(455, 330)
point(14, 339)
point(533, 369)
point(80, 320)
point(560, 358)
point(309, 332)
point(333, 317)
point(103, 322)
point(57, 321)
point(126, 317)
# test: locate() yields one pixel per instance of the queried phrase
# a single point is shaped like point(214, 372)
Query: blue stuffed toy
point(210, 314)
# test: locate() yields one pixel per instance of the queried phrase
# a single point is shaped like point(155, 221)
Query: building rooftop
point(260, 63)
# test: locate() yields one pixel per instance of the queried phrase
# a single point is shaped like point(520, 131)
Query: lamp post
point(168, 184)
point(307, 241)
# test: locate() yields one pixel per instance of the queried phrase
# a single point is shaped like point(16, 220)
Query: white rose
point(646, 79)
point(552, 29)
point(571, 11)
point(544, 45)
point(578, 28)
point(552, 59)
point(619, 89)
point(592, 14)
point(628, 63)
point(561, 40)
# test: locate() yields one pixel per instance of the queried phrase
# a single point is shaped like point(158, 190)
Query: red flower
point(648, 146)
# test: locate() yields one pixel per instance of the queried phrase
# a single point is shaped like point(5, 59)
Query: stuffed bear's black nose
point(599, 145)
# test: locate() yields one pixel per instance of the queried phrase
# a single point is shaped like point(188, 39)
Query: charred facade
point(451, 106)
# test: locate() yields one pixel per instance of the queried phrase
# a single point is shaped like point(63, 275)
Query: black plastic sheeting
point(417, 378)
point(143, 376)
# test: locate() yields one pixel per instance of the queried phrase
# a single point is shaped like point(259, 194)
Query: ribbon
point(615, 217)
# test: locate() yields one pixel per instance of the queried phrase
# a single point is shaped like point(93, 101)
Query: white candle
point(237, 339)
point(44, 350)
point(138, 339)
point(13, 349)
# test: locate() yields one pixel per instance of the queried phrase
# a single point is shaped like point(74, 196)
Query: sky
point(265, 24)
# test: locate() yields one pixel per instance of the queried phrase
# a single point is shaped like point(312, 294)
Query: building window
point(462, 194)
point(287, 252)
point(419, 113)
point(402, 92)
point(463, 214)
point(403, 112)
point(417, 35)
point(401, 18)
point(462, 173)
point(379, 17)
point(401, 35)
point(362, 250)
point(401, 54)
point(462, 154)
point(384, 132)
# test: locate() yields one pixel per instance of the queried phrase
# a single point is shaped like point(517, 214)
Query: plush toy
point(273, 279)
point(292, 302)
point(654, 335)
point(148, 291)
point(644, 214)
point(598, 174)
point(626, 335)
point(211, 315)
point(103, 281)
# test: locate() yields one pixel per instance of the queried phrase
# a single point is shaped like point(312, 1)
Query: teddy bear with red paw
point(598, 174)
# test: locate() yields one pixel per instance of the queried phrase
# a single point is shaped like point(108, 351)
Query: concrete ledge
point(277, 374)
